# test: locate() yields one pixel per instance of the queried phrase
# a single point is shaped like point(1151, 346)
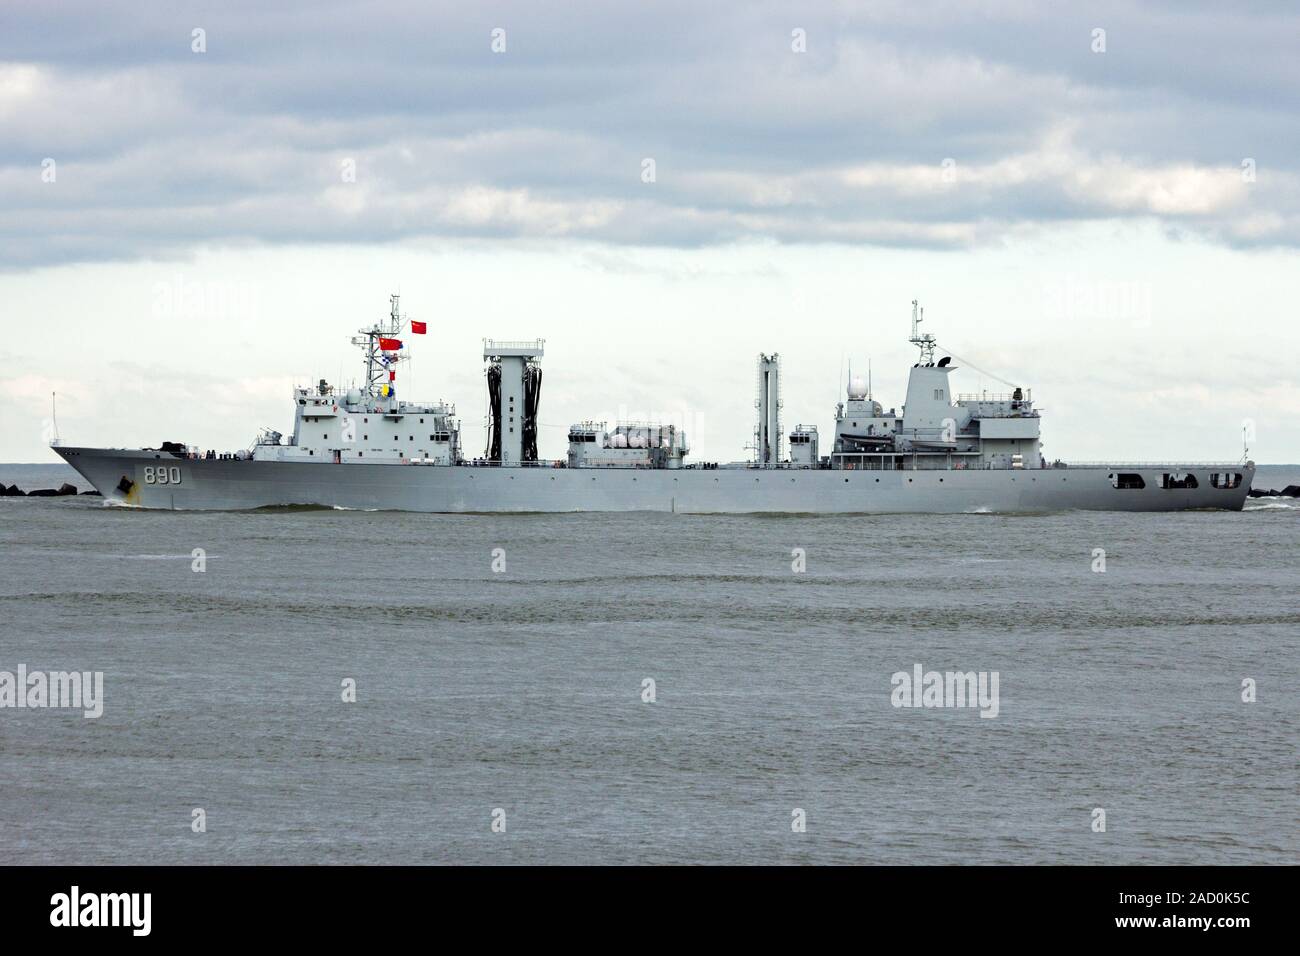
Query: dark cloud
point(159, 149)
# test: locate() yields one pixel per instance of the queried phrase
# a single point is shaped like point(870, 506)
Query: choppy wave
point(530, 678)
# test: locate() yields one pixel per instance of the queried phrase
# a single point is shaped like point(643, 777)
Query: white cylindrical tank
point(618, 440)
point(636, 441)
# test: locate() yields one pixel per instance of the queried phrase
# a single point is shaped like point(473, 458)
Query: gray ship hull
point(203, 484)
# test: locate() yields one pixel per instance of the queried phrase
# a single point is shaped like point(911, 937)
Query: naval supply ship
point(361, 447)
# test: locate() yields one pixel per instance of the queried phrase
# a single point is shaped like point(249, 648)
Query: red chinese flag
point(390, 345)
point(392, 376)
point(418, 328)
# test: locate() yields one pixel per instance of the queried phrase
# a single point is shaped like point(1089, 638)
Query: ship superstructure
point(936, 429)
point(363, 447)
point(366, 422)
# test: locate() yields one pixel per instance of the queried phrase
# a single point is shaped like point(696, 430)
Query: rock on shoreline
point(64, 490)
point(1290, 491)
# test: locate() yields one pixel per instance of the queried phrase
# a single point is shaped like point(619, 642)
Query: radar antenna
point(926, 342)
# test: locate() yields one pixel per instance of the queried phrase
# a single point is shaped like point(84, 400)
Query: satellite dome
point(857, 388)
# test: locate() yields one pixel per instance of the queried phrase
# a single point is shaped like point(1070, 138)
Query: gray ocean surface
point(522, 690)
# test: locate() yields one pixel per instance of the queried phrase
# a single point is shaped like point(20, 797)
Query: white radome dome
point(857, 388)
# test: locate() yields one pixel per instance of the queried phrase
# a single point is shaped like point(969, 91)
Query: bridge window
point(1173, 481)
point(1226, 480)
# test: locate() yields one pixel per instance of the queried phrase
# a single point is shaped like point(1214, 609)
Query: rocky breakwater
point(64, 490)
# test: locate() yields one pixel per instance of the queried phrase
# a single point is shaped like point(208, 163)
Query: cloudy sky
point(200, 202)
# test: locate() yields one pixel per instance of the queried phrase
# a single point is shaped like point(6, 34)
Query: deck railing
point(992, 397)
point(1152, 464)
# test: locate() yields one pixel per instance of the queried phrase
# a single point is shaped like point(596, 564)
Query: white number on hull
point(162, 475)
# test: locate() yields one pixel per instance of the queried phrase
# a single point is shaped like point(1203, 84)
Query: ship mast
point(926, 342)
point(54, 418)
point(380, 362)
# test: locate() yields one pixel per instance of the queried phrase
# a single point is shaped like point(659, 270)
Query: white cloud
point(200, 242)
point(160, 150)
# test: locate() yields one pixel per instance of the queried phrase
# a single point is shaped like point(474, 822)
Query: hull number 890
point(162, 475)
